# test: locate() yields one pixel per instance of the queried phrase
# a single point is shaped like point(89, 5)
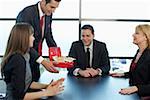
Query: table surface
point(98, 88)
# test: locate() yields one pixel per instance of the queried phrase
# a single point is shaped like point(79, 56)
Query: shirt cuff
point(100, 71)
point(40, 59)
point(75, 72)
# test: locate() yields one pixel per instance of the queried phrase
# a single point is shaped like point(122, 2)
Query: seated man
point(91, 55)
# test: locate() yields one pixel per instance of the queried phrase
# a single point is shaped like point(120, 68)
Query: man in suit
point(40, 17)
point(91, 64)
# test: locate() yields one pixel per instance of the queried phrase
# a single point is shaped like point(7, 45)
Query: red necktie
point(42, 33)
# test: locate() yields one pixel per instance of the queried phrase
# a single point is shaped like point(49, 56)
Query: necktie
point(88, 57)
point(42, 25)
point(42, 33)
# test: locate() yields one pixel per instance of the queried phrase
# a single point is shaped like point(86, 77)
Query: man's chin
point(86, 44)
point(48, 14)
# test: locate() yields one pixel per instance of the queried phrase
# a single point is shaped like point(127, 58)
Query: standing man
point(40, 17)
point(91, 55)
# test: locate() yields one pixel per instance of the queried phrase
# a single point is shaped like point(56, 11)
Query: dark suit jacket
point(140, 76)
point(15, 73)
point(100, 56)
point(31, 15)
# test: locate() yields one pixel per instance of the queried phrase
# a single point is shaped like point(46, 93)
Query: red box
point(54, 51)
point(64, 64)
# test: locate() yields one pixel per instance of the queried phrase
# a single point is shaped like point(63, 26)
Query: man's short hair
point(48, 1)
point(90, 27)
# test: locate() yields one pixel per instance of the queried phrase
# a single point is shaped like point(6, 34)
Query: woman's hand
point(128, 90)
point(55, 87)
point(116, 74)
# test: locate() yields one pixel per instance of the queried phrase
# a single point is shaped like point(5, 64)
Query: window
point(117, 35)
point(4, 33)
point(115, 9)
point(114, 22)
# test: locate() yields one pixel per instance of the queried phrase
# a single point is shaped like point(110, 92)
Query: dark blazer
point(100, 56)
point(140, 76)
point(31, 15)
point(15, 73)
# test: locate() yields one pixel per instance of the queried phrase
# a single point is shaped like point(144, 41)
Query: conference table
point(97, 88)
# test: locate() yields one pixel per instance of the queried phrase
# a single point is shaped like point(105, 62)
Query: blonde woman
point(139, 74)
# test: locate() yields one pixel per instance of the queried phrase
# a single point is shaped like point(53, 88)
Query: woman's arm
point(52, 89)
point(36, 85)
point(124, 75)
point(35, 95)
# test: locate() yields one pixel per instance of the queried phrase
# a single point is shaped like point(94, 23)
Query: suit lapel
point(141, 59)
point(82, 54)
point(37, 20)
point(48, 20)
point(94, 53)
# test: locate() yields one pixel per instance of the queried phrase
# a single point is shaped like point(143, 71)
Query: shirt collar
point(90, 46)
point(40, 10)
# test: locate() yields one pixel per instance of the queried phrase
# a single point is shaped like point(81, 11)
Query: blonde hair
point(145, 28)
